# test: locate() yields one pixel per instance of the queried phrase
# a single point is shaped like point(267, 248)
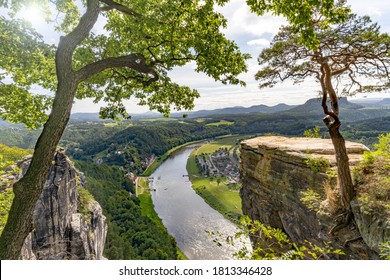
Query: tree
point(300, 14)
point(141, 42)
point(350, 57)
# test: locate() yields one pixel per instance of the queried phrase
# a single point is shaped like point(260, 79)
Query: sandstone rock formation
point(374, 229)
point(60, 231)
point(275, 178)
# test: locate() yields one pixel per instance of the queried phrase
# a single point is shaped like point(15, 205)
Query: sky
point(251, 33)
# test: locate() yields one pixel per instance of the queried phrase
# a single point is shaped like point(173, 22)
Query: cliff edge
point(291, 184)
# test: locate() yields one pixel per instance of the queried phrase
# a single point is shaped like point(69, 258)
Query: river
point(185, 214)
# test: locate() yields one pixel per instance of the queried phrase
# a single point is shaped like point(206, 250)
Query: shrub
point(6, 199)
point(84, 203)
point(316, 165)
point(311, 199)
point(384, 249)
point(274, 244)
point(312, 133)
point(372, 177)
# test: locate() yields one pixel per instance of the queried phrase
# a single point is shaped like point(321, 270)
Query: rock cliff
point(61, 229)
point(281, 188)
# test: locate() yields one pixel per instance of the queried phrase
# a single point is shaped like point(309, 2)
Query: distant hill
point(94, 117)
point(85, 117)
point(238, 110)
point(313, 106)
point(195, 114)
point(384, 103)
point(7, 124)
point(349, 112)
point(374, 103)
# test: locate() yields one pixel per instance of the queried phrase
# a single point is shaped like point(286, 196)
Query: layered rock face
point(374, 229)
point(276, 178)
point(60, 231)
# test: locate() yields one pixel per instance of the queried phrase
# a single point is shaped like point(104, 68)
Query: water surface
point(185, 214)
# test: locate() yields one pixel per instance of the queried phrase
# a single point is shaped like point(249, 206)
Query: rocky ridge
point(60, 230)
point(275, 179)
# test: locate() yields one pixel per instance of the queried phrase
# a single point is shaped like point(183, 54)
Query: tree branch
point(340, 71)
point(329, 88)
point(68, 43)
point(112, 5)
point(133, 61)
point(335, 117)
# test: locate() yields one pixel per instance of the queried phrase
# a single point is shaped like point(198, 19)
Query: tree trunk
point(333, 123)
point(28, 189)
point(343, 170)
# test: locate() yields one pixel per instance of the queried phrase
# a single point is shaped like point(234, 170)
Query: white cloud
point(373, 8)
point(376, 9)
point(242, 20)
point(259, 42)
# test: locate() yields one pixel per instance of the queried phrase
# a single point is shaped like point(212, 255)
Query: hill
point(313, 106)
point(349, 111)
point(238, 110)
point(194, 114)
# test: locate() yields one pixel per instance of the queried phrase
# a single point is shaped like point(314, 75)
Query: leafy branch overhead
point(141, 42)
point(354, 54)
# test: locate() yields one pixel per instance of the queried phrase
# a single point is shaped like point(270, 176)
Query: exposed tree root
point(341, 221)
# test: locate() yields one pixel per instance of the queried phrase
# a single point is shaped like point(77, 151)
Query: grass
point(220, 196)
point(110, 124)
point(158, 161)
point(223, 142)
point(221, 122)
point(6, 199)
point(200, 120)
point(143, 185)
point(159, 120)
point(147, 210)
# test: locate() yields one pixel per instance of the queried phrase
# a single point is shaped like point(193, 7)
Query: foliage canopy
point(130, 58)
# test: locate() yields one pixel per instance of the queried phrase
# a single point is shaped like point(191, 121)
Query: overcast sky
point(252, 33)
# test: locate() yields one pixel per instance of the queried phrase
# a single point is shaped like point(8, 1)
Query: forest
point(130, 234)
point(116, 52)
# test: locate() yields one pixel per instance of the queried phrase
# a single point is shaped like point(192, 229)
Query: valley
point(113, 156)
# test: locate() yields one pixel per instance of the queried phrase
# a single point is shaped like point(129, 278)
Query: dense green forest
point(130, 235)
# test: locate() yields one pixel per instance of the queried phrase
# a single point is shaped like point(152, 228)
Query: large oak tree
point(141, 42)
point(350, 57)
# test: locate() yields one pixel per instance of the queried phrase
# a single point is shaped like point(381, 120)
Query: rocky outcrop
point(374, 229)
point(277, 179)
point(60, 230)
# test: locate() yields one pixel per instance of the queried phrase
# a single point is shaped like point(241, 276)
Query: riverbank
point(147, 208)
point(217, 189)
point(158, 161)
